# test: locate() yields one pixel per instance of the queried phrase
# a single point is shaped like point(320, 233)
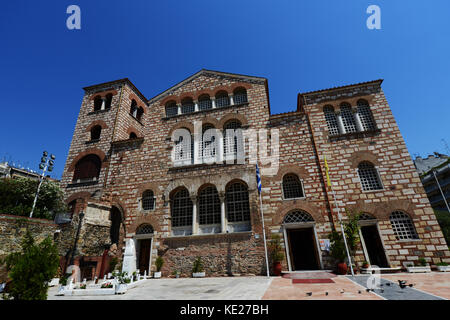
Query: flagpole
point(339, 216)
point(258, 186)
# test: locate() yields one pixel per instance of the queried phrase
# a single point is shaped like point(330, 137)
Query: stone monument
point(129, 258)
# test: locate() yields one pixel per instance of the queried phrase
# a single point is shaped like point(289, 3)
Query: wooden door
point(144, 255)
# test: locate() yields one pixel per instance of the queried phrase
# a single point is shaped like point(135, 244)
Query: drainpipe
point(320, 165)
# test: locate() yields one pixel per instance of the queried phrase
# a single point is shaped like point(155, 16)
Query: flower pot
point(157, 275)
point(121, 288)
point(443, 268)
point(198, 274)
point(277, 268)
point(342, 268)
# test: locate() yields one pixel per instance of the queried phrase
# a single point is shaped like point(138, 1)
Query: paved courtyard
point(432, 286)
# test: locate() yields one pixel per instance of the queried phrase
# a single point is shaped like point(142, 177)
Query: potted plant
point(365, 265)
point(337, 251)
point(176, 273)
point(276, 254)
point(123, 281)
point(197, 269)
point(421, 266)
point(443, 266)
point(159, 262)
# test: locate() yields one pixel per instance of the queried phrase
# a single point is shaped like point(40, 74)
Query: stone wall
point(12, 231)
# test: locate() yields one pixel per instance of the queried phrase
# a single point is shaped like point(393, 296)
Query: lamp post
point(46, 164)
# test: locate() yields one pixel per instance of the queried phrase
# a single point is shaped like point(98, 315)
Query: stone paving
point(431, 286)
point(390, 290)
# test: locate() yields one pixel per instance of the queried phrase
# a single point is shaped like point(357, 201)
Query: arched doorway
point(116, 221)
point(144, 242)
point(302, 249)
point(371, 242)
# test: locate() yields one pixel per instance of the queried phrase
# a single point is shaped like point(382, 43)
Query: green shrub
point(275, 249)
point(31, 269)
point(198, 265)
point(422, 262)
point(443, 218)
point(159, 262)
point(113, 263)
point(442, 264)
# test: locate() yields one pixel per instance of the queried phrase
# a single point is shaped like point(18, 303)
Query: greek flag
point(258, 179)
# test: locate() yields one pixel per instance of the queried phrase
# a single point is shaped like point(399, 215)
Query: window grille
point(145, 229)
point(231, 141)
point(187, 107)
point(209, 206)
point(204, 103)
point(365, 216)
point(365, 115)
point(237, 204)
point(240, 96)
point(403, 226)
point(171, 110)
point(292, 187)
point(208, 145)
point(368, 176)
point(347, 119)
point(148, 200)
point(331, 120)
point(222, 100)
point(298, 217)
point(184, 150)
point(181, 209)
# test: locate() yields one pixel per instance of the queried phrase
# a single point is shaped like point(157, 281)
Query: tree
point(443, 218)
point(31, 269)
point(351, 229)
point(17, 195)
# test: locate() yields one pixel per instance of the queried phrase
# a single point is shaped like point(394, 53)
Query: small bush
point(159, 262)
point(198, 265)
point(31, 269)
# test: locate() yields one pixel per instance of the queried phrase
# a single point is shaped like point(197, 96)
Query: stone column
point(103, 107)
point(223, 218)
point(340, 123)
point(196, 106)
point(213, 102)
point(194, 215)
point(179, 108)
point(231, 99)
point(358, 122)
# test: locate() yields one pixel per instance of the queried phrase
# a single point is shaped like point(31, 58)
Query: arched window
point(132, 135)
point(187, 106)
point(140, 112)
point(297, 216)
point(209, 206)
point(368, 175)
point(237, 203)
point(97, 103)
point(348, 119)
point(171, 109)
point(181, 212)
point(108, 101)
point(144, 229)
point(208, 143)
point(95, 132)
point(184, 148)
point(292, 187)
point(133, 108)
point(116, 220)
point(232, 138)
point(330, 117)
point(403, 226)
point(148, 200)
point(365, 115)
point(204, 102)
point(222, 99)
point(87, 168)
point(240, 95)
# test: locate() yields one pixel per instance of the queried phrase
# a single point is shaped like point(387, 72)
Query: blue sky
point(299, 46)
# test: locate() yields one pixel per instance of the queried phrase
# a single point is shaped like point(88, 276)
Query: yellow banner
point(326, 171)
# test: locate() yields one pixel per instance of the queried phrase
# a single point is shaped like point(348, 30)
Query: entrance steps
point(318, 275)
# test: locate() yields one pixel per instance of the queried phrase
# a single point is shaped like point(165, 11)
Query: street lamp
point(46, 164)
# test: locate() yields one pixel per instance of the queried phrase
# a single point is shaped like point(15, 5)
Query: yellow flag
point(326, 171)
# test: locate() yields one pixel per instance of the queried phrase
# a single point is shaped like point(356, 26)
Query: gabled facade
point(181, 198)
